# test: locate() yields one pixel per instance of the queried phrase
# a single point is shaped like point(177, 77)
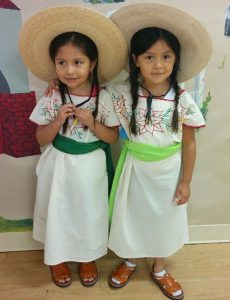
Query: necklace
point(149, 100)
point(80, 104)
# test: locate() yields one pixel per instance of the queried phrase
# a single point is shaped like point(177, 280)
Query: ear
point(135, 60)
point(93, 63)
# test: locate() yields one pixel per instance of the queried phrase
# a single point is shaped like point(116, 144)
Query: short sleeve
point(46, 110)
point(189, 112)
point(106, 112)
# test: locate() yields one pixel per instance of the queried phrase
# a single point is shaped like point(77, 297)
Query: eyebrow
point(76, 58)
point(167, 52)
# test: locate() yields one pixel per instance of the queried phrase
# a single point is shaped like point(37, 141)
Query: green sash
point(143, 152)
point(70, 146)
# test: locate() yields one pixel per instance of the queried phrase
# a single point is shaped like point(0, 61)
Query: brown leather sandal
point(88, 273)
point(61, 275)
point(168, 286)
point(122, 274)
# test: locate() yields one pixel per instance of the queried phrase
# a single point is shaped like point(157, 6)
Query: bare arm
point(188, 161)
point(46, 134)
point(104, 133)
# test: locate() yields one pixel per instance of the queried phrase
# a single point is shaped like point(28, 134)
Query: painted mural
point(17, 133)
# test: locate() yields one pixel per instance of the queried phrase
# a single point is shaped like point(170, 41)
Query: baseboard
point(214, 233)
point(199, 234)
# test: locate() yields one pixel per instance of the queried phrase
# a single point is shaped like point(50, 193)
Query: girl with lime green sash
point(152, 181)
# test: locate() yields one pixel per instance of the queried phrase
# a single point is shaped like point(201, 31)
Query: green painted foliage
point(7, 225)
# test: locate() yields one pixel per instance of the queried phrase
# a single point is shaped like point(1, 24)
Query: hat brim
point(195, 42)
point(38, 32)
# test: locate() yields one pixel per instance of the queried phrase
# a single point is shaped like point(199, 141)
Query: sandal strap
point(168, 283)
point(87, 270)
point(60, 271)
point(123, 272)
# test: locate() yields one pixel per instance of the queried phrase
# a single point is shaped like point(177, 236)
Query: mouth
point(71, 79)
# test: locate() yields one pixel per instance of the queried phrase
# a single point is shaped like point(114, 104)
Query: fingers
point(82, 113)
point(53, 86)
point(181, 199)
point(65, 111)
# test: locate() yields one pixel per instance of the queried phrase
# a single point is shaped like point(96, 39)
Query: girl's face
point(73, 68)
point(156, 64)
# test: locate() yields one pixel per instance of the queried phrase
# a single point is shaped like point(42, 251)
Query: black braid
point(176, 88)
point(62, 90)
point(133, 79)
point(96, 84)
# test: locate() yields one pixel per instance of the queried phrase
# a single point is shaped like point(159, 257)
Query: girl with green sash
point(152, 180)
point(77, 125)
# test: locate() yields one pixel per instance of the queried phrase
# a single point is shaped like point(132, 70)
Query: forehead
point(160, 46)
point(70, 50)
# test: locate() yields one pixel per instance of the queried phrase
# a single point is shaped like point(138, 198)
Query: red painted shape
point(17, 132)
point(8, 5)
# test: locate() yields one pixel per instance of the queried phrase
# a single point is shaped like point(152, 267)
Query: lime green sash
point(143, 152)
point(70, 146)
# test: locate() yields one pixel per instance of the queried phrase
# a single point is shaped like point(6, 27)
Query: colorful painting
point(17, 133)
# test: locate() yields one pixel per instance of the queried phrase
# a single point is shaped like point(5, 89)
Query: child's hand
point(53, 86)
point(182, 193)
point(85, 116)
point(65, 111)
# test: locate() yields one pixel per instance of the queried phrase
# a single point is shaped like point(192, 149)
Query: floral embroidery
point(121, 107)
point(153, 125)
point(103, 113)
point(49, 109)
point(76, 128)
point(183, 112)
point(159, 119)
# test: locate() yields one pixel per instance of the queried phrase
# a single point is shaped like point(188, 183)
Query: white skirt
point(146, 220)
point(71, 209)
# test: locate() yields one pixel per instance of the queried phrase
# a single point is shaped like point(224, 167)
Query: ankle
point(130, 263)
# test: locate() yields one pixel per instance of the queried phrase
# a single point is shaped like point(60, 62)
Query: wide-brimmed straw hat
point(196, 46)
point(38, 32)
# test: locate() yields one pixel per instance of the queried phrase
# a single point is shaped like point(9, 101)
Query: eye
point(61, 62)
point(166, 56)
point(78, 62)
point(149, 57)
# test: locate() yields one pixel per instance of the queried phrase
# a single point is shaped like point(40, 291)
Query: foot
point(121, 275)
point(61, 275)
point(168, 285)
point(88, 273)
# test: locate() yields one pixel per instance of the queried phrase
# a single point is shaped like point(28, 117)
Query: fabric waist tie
point(142, 152)
point(67, 145)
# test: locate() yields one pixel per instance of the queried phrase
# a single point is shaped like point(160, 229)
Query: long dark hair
point(141, 41)
point(89, 48)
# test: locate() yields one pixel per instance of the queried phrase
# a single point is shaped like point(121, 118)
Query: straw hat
point(37, 33)
point(196, 46)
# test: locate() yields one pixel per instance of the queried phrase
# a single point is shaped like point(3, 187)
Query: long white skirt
point(71, 209)
point(146, 220)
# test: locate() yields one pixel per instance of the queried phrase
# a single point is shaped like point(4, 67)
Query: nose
point(70, 69)
point(158, 63)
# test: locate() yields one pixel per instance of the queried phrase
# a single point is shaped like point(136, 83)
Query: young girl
point(152, 182)
point(71, 210)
